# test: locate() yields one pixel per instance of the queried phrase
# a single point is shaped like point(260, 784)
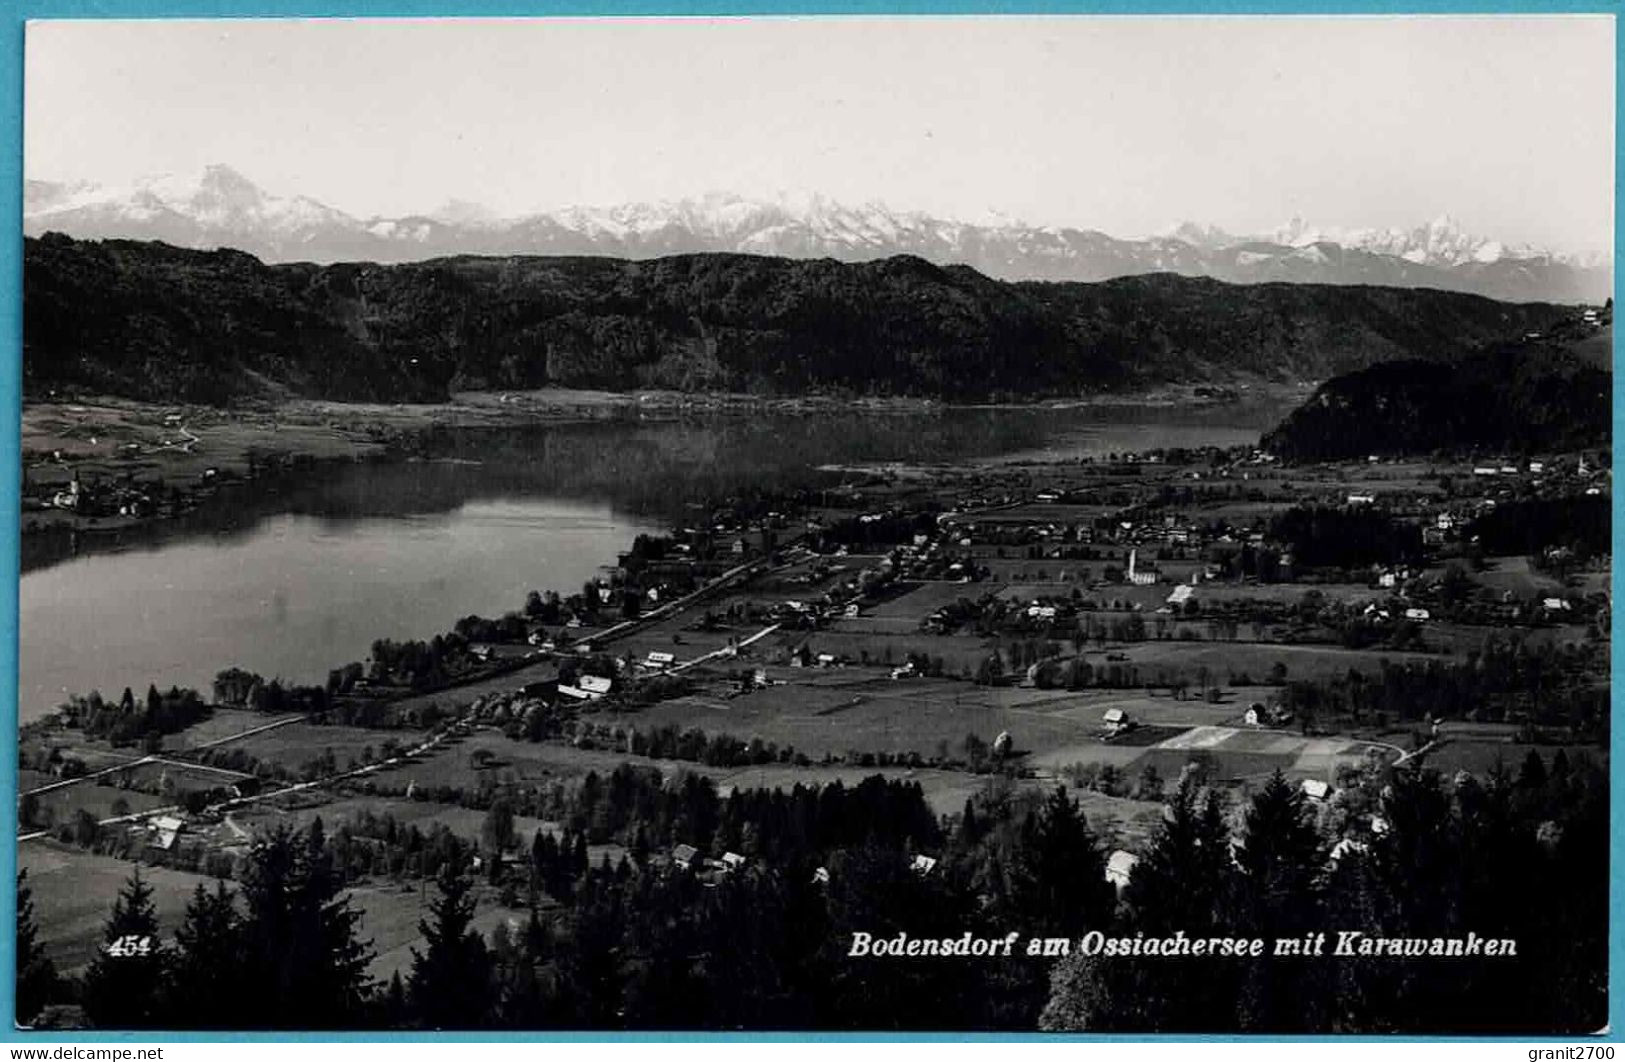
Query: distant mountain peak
point(1441, 242)
point(223, 207)
point(1199, 235)
point(464, 212)
point(222, 178)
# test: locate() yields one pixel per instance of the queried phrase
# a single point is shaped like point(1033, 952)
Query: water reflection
point(293, 575)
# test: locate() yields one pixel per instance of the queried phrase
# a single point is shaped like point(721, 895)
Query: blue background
point(11, 121)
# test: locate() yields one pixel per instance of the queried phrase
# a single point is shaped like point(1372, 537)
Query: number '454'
point(130, 945)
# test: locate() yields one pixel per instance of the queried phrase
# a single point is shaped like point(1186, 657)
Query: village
point(982, 630)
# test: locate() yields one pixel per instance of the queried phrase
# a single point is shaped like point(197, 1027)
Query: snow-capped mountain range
point(222, 208)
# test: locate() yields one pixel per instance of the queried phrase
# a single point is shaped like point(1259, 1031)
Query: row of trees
point(1541, 683)
point(651, 944)
point(129, 720)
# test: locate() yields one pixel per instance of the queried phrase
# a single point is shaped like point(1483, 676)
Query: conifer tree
point(122, 987)
point(303, 959)
point(1184, 877)
point(1281, 859)
point(1060, 883)
point(393, 1013)
point(204, 986)
point(523, 1000)
point(1184, 881)
point(36, 974)
point(451, 985)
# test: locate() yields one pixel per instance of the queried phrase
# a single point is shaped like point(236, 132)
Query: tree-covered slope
point(1519, 398)
point(153, 321)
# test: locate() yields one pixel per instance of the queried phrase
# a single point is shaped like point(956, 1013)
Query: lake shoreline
point(426, 526)
point(144, 464)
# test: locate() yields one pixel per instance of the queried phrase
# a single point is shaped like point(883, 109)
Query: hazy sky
point(1121, 124)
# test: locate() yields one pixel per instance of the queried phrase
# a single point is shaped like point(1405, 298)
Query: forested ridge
point(1520, 398)
point(151, 321)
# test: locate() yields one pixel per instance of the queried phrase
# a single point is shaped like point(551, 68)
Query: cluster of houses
point(1260, 714)
point(520, 704)
point(726, 539)
point(98, 498)
point(709, 871)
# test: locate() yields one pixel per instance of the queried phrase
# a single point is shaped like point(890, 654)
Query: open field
point(1243, 755)
point(464, 822)
point(869, 714)
point(1121, 822)
point(220, 728)
point(296, 744)
point(926, 598)
point(958, 652)
point(1221, 659)
point(1517, 575)
point(61, 805)
point(391, 912)
point(520, 762)
point(74, 890)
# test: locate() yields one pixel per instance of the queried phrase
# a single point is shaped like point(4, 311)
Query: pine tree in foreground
point(205, 987)
point(122, 988)
point(451, 982)
point(304, 963)
point(36, 974)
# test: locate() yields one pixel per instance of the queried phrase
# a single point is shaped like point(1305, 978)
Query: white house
point(1316, 790)
point(1116, 721)
point(587, 688)
point(1135, 576)
point(1120, 867)
point(165, 830)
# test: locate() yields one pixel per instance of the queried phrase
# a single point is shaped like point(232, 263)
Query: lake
point(294, 577)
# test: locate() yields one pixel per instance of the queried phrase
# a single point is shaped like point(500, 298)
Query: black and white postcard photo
point(936, 524)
